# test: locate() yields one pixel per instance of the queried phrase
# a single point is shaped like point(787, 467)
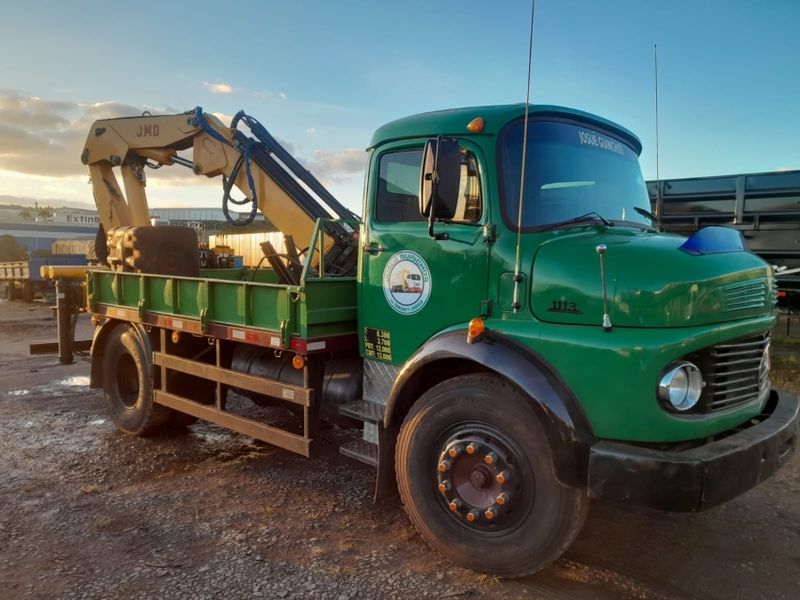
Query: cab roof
point(454, 122)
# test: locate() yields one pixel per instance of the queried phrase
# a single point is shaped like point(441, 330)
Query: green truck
point(508, 347)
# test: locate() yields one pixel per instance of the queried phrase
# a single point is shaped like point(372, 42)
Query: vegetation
point(11, 249)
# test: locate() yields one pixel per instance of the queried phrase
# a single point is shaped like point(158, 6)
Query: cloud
point(219, 88)
point(45, 137)
point(337, 166)
point(269, 94)
point(311, 130)
point(226, 119)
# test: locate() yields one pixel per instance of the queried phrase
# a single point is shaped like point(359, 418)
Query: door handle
point(373, 249)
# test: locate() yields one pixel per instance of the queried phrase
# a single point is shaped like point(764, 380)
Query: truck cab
point(637, 349)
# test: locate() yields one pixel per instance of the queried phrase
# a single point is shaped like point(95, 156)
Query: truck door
point(413, 286)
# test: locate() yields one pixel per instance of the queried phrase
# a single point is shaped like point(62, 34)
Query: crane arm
point(279, 185)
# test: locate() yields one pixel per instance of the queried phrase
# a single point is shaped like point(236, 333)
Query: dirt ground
point(90, 513)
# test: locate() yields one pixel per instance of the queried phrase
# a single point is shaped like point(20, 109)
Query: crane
point(271, 179)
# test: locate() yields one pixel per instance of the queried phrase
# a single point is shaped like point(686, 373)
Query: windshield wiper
point(584, 219)
point(645, 213)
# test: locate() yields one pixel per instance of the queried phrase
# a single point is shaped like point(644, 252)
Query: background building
point(37, 227)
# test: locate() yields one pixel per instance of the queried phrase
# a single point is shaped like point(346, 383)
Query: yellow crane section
point(154, 140)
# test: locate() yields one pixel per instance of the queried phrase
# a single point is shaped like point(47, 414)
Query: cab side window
point(398, 188)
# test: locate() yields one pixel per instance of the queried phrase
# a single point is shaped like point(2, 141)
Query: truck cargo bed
point(317, 316)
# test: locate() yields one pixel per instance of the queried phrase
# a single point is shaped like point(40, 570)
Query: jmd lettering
point(147, 131)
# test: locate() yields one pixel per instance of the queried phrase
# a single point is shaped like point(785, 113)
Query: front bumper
point(703, 476)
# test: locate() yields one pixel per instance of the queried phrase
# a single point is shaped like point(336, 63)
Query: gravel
point(91, 513)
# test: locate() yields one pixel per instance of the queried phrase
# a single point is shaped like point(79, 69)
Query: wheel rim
point(483, 480)
point(127, 380)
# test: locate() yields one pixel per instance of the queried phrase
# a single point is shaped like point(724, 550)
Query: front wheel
point(476, 476)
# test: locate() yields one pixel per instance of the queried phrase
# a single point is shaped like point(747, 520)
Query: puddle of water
point(213, 437)
point(74, 381)
point(19, 392)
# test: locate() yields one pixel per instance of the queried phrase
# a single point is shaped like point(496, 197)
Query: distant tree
point(11, 249)
point(46, 213)
point(26, 214)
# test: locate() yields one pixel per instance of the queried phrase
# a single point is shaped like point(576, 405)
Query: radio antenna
point(516, 305)
point(659, 199)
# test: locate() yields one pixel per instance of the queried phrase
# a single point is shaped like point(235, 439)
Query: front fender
point(568, 431)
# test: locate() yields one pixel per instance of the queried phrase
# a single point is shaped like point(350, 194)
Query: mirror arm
point(434, 192)
point(437, 236)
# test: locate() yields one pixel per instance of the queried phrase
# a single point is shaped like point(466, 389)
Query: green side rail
point(322, 305)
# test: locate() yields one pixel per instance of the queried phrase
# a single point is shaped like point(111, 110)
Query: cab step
point(362, 451)
point(363, 410)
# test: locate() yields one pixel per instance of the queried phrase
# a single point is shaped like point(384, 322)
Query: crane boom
point(260, 167)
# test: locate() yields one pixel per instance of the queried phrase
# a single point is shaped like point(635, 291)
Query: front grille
point(743, 295)
point(733, 372)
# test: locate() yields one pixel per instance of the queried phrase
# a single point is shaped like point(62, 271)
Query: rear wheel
point(475, 474)
point(128, 385)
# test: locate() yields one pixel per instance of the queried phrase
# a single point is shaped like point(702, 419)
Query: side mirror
point(441, 175)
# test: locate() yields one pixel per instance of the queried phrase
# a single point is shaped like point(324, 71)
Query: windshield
point(570, 171)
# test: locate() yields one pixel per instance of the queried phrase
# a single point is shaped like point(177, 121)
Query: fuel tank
point(341, 380)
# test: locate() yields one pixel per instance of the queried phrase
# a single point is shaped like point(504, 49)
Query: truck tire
point(475, 474)
point(128, 385)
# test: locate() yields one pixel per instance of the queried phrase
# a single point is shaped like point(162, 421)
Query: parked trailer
point(21, 279)
point(84, 246)
point(764, 207)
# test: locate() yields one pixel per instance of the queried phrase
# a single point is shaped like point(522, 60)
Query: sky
point(323, 75)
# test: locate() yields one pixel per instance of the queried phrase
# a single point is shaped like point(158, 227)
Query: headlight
point(681, 386)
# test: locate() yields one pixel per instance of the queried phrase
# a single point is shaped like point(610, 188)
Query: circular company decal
point(407, 282)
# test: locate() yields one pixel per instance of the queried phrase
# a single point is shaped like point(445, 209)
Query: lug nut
point(455, 451)
point(502, 477)
point(490, 458)
point(444, 486)
point(445, 465)
point(455, 505)
point(472, 448)
point(473, 515)
point(490, 513)
point(502, 499)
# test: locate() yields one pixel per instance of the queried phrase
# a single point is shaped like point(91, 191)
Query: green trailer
point(504, 352)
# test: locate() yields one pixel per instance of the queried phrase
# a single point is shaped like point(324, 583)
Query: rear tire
point(537, 518)
point(128, 385)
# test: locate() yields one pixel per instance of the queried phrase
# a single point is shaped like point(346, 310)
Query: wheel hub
point(477, 478)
